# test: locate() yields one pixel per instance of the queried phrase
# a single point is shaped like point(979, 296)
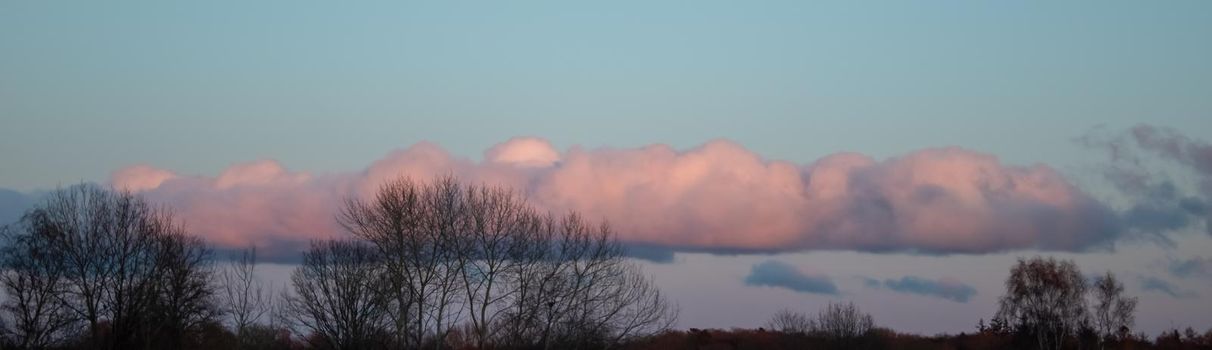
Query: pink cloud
point(140, 178)
point(718, 196)
point(524, 152)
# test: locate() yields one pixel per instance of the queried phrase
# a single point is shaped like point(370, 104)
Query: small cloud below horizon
point(945, 288)
point(778, 274)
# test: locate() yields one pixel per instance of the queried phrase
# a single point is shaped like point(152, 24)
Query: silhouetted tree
point(245, 298)
point(579, 291)
point(1045, 299)
point(843, 321)
point(791, 322)
point(336, 295)
point(184, 299)
point(449, 251)
point(414, 240)
point(32, 279)
point(107, 262)
point(107, 242)
point(1113, 311)
point(502, 227)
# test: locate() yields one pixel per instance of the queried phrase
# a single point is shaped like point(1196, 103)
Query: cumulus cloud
point(941, 288)
point(524, 152)
point(718, 197)
point(774, 273)
point(140, 178)
point(258, 203)
point(1159, 285)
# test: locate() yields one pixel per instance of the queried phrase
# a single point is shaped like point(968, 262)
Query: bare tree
point(115, 266)
point(534, 281)
point(1044, 298)
point(245, 298)
point(445, 226)
point(336, 295)
point(32, 277)
point(843, 321)
point(791, 322)
point(843, 325)
point(446, 249)
point(501, 225)
point(1113, 311)
point(393, 223)
point(184, 291)
point(580, 291)
point(107, 243)
point(450, 252)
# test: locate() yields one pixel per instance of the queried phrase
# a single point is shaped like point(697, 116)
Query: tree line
point(425, 265)
point(1047, 304)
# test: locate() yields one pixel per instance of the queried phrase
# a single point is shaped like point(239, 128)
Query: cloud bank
point(774, 273)
point(715, 197)
point(942, 288)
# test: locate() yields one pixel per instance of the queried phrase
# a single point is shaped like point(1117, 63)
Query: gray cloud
point(1196, 155)
point(773, 273)
point(12, 205)
point(1158, 205)
point(280, 252)
point(941, 288)
point(1197, 267)
point(650, 253)
point(1159, 285)
point(1171, 144)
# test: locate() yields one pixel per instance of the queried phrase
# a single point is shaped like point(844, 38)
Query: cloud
point(524, 152)
point(140, 178)
point(1159, 285)
point(12, 205)
point(1195, 155)
point(1197, 267)
point(650, 253)
point(1176, 146)
point(773, 273)
point(283, 252)
point(942, 288)
point(717, 197)
point(1158, 203)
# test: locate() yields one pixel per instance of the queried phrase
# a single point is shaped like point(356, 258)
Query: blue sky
point(88, 88)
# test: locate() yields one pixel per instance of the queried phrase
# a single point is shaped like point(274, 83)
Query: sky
point(758, 155)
